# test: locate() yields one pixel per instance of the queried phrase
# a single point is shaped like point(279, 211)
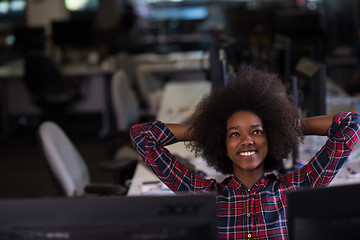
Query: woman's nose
point(247, 140)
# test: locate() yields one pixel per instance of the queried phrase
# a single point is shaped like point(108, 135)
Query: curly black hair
point(251, 90)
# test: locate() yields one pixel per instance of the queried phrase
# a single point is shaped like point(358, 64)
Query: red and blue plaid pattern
point(259, 212)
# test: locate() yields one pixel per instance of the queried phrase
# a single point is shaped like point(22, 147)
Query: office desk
point(12, 70)
point(174, 57)
point(159, 63)
point(15, 97)
point(174, 66)
point(15, 70)
point(177, 105)
point(349, 173)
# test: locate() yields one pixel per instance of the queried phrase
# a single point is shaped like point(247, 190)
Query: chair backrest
point(150, 90)
point(126, 107)
point(65, 162)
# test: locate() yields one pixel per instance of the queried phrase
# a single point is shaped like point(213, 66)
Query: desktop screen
point(326, 213)
point(179, 217)
point(73, 33)
point(219, 73)
point(27, 39)
point(307, 22)
point(312, 86)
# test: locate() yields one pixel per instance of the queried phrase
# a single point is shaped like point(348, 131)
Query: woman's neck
point(249, 177)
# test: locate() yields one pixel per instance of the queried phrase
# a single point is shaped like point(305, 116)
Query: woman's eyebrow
point(251, 126)
point(234, 128)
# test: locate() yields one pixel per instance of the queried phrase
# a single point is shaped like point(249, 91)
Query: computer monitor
point(280, 58)
point(307, 22)
point(312, 86)
point(152, 217)
point(326, 213)
point(73, 33)
point(219, 73)
point(29, 38)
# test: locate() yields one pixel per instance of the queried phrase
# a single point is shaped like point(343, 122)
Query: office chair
point(126, 106)
point(49, 90)
point(150, 90)
point(67, 167)
point(125, 112)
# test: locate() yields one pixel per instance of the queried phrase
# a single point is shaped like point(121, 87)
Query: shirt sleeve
point(322, 168)
point(150, 140)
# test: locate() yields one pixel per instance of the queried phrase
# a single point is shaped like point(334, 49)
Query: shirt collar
point(235, 184)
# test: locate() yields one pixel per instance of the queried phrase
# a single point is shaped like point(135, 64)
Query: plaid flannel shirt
point(259, 212)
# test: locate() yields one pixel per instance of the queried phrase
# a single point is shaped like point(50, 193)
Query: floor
point(23, 172)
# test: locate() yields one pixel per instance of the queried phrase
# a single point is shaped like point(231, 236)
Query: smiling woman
point(246, 129)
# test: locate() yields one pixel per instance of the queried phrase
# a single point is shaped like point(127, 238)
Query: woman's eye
point(258, 131)
point(234, 134)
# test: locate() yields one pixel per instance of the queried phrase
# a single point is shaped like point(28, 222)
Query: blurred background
point(89, 40)
point(322, 29)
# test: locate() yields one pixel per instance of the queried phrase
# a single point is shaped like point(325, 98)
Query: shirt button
point(248, 215)
point(249, 235)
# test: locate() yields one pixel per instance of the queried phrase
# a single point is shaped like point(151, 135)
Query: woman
point(246, 130)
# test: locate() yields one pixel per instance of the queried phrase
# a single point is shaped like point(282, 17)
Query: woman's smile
point(247, 153)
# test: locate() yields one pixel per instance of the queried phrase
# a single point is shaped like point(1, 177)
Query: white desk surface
point(170, 57)
point(171, 63)
point(13, 69)
point(311, 146)
point(174, 66)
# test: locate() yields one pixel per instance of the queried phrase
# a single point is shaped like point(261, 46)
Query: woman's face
point(246, 141)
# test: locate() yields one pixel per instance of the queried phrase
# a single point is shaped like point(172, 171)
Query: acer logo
point(180, 209)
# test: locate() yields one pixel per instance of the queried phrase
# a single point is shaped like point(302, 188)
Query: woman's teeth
point(248, 153)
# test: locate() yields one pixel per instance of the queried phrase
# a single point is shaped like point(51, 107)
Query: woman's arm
point(150, 140)
point(318, 125)
point(181, 132)
point(343, 135)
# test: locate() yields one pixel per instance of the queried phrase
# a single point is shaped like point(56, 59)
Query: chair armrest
point(106, 189)
point(119, 135)
point(116, 139)
point(117, 164)
point(123, 169)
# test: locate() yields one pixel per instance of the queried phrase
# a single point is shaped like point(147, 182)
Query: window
point(81, 5)
point(12, 7)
